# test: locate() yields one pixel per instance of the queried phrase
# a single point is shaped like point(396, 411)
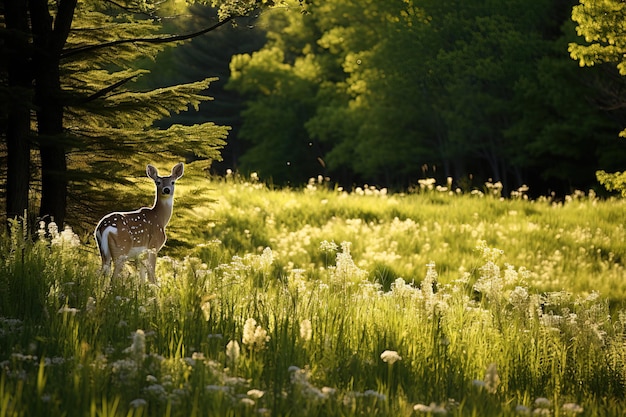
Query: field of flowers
point(319, 302)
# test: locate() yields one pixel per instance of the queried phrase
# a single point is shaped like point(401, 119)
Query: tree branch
point(155, 40)
point(102, 92)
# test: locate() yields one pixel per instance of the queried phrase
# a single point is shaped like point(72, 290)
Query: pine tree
point(78, 60)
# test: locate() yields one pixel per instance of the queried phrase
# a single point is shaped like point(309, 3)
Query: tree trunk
point(49, 37)
point(18, 124)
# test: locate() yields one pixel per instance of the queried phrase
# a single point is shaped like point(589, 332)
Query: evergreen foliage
point(207, 56)
point(80, 61)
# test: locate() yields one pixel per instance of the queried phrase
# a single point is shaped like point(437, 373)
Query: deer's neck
point(162, 210)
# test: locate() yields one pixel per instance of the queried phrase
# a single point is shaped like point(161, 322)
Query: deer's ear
point(152, 172)
point(178, 170)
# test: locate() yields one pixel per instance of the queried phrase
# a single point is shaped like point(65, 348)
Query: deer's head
point(165, 185)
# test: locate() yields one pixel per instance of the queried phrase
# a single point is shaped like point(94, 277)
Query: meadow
point(320, 302)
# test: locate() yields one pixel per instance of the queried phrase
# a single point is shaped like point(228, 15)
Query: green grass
point(496, 308)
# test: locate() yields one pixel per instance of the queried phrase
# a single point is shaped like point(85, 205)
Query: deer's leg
point(119, 265)
point(106, 266)
point(151, 264)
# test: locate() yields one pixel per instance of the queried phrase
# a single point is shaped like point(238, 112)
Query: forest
point(361, 92)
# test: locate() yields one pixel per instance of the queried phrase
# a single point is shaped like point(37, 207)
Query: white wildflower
point(68, 310)
point(542, 402)
point(479, 383)
point(345, 266)
point(306, 331)
point(138, 403)
point(429, 280)
point(67, 238)
point(91, 305)
point(247, 402)
point(572, 408)
point(42, 230)
point(218, 388)
point(432, 409)
point(53, 230)
point(233, 350)
point(254, 336)
point(390, 357)
point(518, 297)
point(266, 259)
point(326, 246)
point(374, 394)
point(138, 348)
point(492, 379)
point(255, 393)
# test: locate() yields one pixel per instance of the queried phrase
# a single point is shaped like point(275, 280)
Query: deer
point(124, 235)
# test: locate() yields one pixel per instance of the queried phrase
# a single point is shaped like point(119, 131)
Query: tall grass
point(318, 302)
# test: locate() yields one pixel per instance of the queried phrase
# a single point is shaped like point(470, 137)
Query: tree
point(601, 23)
point(78, 81)
point(202, 56)
point(392, 88)
point(16, 99)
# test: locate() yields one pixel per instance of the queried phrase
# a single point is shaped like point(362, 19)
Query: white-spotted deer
point(127, 235)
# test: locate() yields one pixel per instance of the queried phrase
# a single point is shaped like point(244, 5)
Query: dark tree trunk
point(49, 37)
point(18, 124)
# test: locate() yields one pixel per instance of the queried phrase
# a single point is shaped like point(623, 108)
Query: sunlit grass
point(573, 245)
point(319, 302)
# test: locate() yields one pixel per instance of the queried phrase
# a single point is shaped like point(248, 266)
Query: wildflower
point(138, 403)
point(344, 264)
point(66, 238)
point(254, 336)
point(91, 305)
point(233, 350)
point(138, 348)
point(421, 408)
point(53, 230)
point(217, 388)
point(255, 393)
point(390, 357)
point(492, 379)
point(522, 409)
point(572, 408)
point(156, 390)
point(542, 402)
point(479, 383)
point(42, 230)
point(427, 183)
point(266, 259)
point(374, 394)
point(326, 246)
point(432, 409)
point(518, 297)
point(488, 254)
point(247, 402)
point(306, 332)
point(429, 280)
point(67, 309)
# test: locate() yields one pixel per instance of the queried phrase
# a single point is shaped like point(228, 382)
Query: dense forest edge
point(385, 94)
